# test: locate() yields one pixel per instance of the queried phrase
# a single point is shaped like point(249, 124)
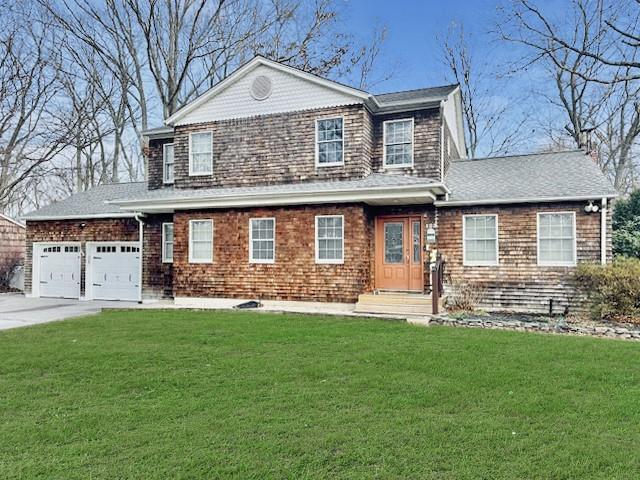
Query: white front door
point(113, 271)
point(58, 270)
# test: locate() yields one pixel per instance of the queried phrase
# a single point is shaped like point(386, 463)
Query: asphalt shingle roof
point(545, 175)
point(91, 202)
point(431, 94)
point(491, 180)
point(372, 181)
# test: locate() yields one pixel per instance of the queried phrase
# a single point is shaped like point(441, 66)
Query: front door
point(399, 253)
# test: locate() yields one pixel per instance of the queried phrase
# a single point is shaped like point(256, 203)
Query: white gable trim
point(250, 66)
point(9, 219)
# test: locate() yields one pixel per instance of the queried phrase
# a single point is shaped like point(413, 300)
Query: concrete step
point(394, 299)
point(394, 309)
point(397, 303)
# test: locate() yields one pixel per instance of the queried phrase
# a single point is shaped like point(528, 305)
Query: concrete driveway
point(18, 311)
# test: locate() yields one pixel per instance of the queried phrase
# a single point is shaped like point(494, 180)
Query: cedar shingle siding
point(518, 282)
point(280, 148)
point(12, 244)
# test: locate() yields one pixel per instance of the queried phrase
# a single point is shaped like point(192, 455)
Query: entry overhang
point(396, 195)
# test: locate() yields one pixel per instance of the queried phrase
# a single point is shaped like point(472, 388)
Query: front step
point(394, 303)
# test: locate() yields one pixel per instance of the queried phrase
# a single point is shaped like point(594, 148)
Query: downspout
point(603, 232)
point(442, 141)
point(138, 217)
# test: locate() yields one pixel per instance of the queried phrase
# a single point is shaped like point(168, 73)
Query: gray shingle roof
point(91, 202)
point(432, 94)
point(547, 175)
point(372, 181)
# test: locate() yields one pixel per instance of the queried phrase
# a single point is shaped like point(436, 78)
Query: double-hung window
point(329, 142)
point(262, 240)
point(330, 239)
point(201, 153)
point(398, 143)
point(167, 162)
point(557, 239)
point(167, 242)
point(201, 241)
point(480, 238)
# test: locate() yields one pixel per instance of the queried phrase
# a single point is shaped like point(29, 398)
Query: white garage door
point(113, 271)
point(58, 270)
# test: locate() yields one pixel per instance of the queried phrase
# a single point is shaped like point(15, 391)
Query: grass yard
point(176, 394)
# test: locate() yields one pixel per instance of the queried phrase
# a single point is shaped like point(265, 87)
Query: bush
point(613, 290)
point(8, 267)
point(626, 226)
point(464, 296)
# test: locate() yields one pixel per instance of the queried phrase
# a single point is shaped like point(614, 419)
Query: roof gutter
point(501, 201)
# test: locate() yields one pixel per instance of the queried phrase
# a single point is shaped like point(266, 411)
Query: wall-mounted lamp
point(431, 235)
point(591, 208)
point(82, 225)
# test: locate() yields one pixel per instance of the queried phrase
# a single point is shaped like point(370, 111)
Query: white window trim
point(165, 259)
point(164, 163)
point(481, 263)
point(334, 164)
point(200, 174)
point(191, 259)
point(542, 263)
point(317, 242)
point(384, 142)
point(262, 260)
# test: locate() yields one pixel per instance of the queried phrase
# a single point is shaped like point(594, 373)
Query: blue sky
point(413, 27)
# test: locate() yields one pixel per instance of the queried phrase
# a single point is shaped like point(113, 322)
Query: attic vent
point(261, 88)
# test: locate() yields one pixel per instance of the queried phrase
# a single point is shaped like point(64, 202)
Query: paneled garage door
point(58, 270)
point(113, 271)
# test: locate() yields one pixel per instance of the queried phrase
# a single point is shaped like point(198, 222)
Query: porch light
point(431, 235)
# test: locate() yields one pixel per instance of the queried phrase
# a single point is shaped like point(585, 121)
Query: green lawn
point(175, 394)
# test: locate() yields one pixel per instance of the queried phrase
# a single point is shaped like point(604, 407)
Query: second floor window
point(201, 153)
point(167, 163)
point(329, 142)
point(398, 143)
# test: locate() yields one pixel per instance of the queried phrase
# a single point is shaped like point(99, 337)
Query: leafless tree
point(599, 100)
point(492, 125)
point(34, 127)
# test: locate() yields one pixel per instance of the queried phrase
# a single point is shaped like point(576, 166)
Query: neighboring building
point(278, 184)
point(12, 252)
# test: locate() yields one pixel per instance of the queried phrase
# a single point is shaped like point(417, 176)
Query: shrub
point(613, 290)
point(464, 296)
point(626, 226)
point(8, 267)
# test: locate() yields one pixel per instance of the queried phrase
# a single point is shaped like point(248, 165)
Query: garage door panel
point(59, 271)
point(115, 271)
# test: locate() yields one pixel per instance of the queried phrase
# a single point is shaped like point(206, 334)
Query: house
point(279, 184)
point(12, 252)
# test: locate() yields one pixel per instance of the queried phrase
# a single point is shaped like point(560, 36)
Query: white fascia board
point(248, 67)
point(12, 220)
point(43, 218)
point(502, 201)
point(393, 194)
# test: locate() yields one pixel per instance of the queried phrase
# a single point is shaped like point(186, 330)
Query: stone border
point(560, 327)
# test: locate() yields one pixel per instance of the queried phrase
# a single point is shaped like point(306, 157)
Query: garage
point(113, 271)
point(56, 269)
